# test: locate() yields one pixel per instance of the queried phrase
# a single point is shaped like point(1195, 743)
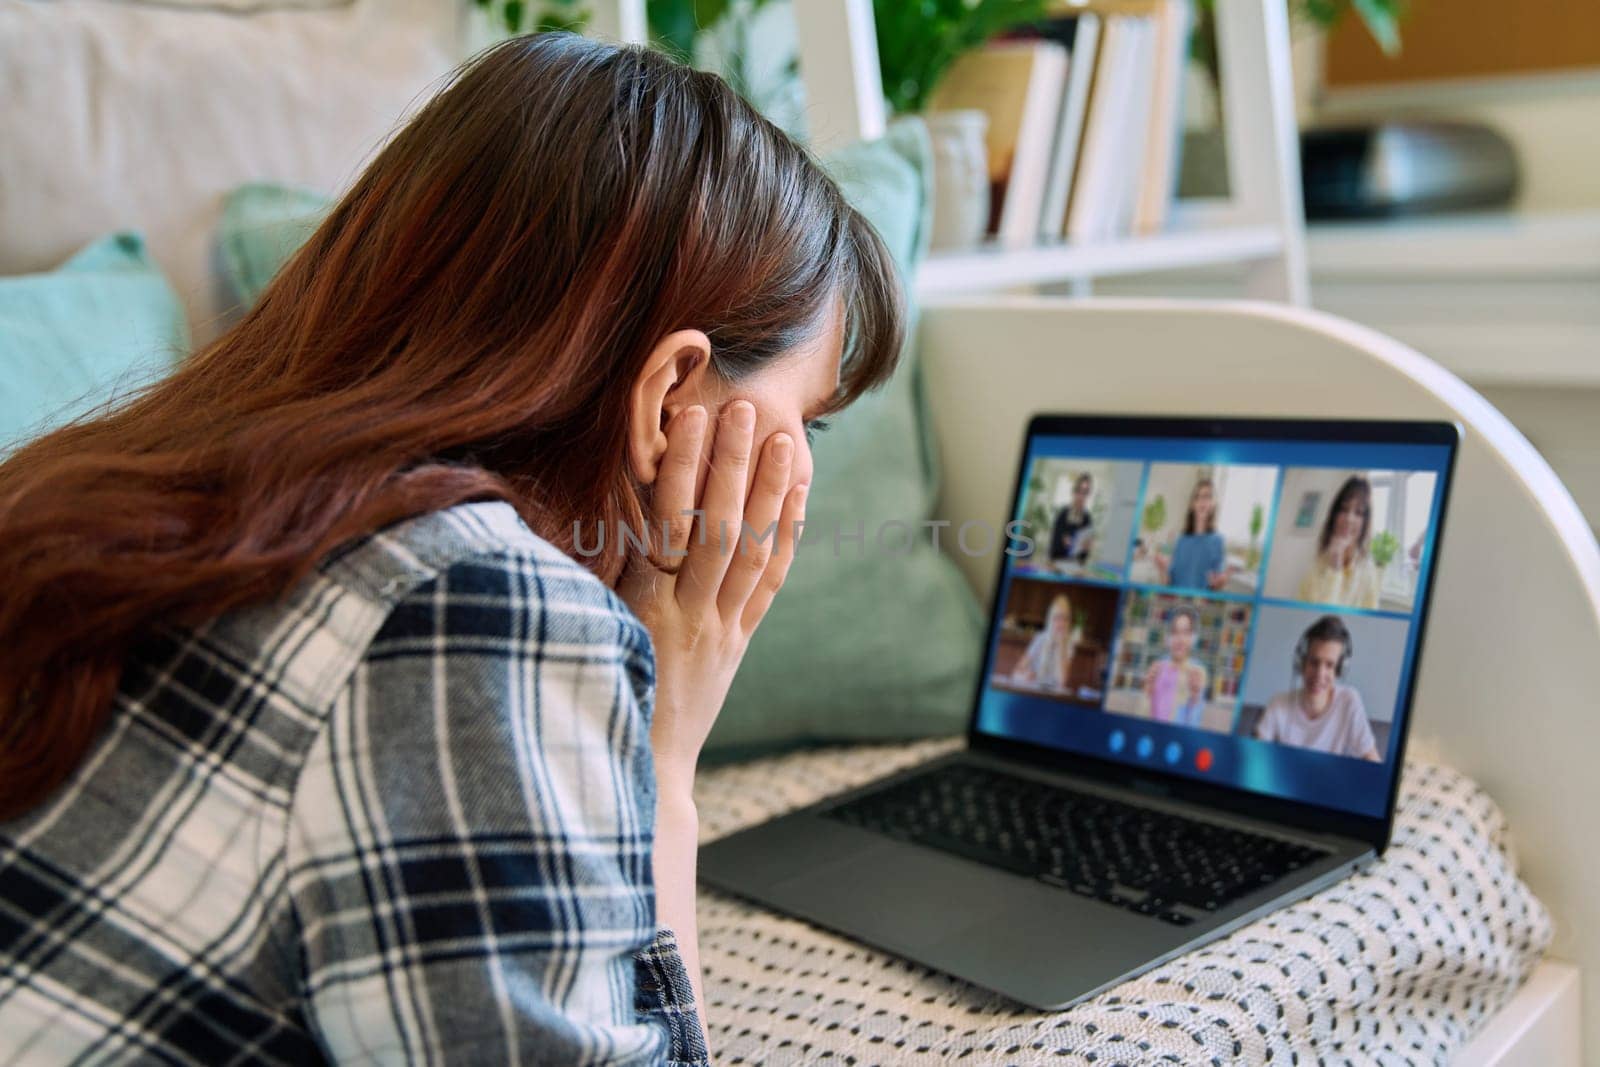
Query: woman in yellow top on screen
point(1343, 572)
point(1049, 656)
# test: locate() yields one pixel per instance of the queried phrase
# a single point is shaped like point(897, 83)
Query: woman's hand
point(1341, 551)
point(709, 582)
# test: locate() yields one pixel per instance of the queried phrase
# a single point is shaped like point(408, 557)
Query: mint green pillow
point(262, 225)
point(860, 645)
point(96, 328)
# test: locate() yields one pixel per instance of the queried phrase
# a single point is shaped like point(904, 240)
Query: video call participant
point(1343, 572)
point(1072, 536)
point(1322, 713)
point(1049, 656)
point(1175, 686)
point(1198, 558)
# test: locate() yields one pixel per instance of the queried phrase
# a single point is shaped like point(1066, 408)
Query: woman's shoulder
point(387, 563)
point(472, 580)
point(491, 572)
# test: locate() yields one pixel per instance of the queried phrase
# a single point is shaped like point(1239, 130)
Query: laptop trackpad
point(907, 895)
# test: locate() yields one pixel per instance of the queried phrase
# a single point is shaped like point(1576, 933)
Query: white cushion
point(245, 7)
point(140, 116)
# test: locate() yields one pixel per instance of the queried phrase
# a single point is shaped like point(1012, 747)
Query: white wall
point(1564, 425)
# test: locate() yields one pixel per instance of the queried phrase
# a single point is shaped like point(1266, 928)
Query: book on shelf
point(1080, 33)
point(1018, 84)
point(1133, 133)
point(1085, 119)
point(1158, 185)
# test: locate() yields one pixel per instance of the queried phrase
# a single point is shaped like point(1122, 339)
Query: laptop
point(1192, 709)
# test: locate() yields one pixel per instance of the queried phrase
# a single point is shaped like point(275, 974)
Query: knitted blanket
point(1399, 964)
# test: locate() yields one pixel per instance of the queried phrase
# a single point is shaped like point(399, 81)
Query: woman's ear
point(676, 375)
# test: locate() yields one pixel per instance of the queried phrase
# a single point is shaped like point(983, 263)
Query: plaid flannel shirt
point(404, 816)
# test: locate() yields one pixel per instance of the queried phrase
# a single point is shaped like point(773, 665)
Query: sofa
point(166, 142)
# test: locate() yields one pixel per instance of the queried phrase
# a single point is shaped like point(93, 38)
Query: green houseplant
point(919, 39)
point(1036, 518)
point(1155, 515)
point(1381, 18)
point(674, 24)
point(748, 42)
point(1257, 520)
point(521, 16)
point(1384, 548)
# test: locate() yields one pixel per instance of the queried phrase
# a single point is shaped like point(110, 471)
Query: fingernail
point(693, 417)
point(743, 414)
point(782, 448)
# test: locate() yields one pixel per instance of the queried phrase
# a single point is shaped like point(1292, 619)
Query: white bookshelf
point(1260, 226)
point(993, 268)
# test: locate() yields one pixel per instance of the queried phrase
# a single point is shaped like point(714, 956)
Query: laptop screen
point(1240, 610)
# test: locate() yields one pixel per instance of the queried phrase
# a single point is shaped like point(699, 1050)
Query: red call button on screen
point(1202, 759)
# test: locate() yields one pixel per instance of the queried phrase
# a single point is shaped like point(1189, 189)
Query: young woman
point(1175, 685)
point(1199, 559)
point(316, 744)
point(1343, 572)
point(1048, 659)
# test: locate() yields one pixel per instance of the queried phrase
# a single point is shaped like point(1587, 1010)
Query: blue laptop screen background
point(1243, 612)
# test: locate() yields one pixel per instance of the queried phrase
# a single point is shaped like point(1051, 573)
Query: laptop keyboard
point(1148, 861)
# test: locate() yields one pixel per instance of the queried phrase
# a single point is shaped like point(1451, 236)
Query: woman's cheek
point(804, 467)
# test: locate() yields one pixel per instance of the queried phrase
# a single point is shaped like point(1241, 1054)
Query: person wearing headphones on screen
point(1322, 712)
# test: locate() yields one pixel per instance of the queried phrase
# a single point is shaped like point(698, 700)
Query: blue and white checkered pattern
point(405, 816)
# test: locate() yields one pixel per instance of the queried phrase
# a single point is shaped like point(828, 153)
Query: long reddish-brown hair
point(465, 324)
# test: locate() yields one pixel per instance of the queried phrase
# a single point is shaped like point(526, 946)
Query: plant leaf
point(707, 12)
point(512, 14)
point(1382, 22)
point(672, 26)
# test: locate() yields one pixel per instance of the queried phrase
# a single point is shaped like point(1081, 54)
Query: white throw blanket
point(1402, 963)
